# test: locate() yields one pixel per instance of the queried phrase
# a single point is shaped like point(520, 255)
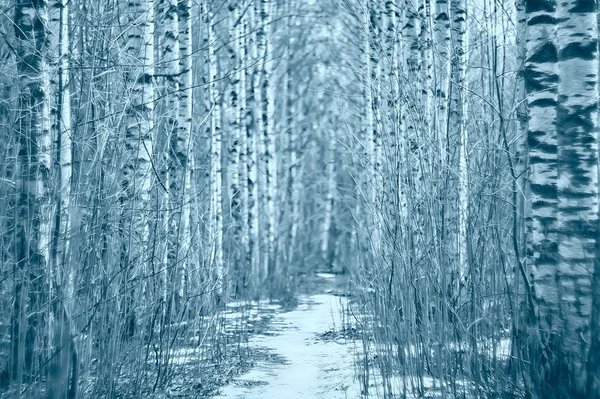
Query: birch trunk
point(522, 114)
point(441, 37)
point(244, 116)
point(541, 76)
point(61, 273)
point(181, 146)
point(167, 75)
point(377, 49)
point(370, 127)
point(235, 126)
point(270, 137)
point(577, 133)
point(136, 171)
point(331, 176)
point(457, 136)
point(60, 108)
point(392, 53)
point(214, 99)
point(427, 64)
point(292, 112)
point(265, 111)
point(32, 238)
point(253, 125)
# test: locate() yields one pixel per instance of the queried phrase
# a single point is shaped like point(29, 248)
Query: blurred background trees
point(161, 158)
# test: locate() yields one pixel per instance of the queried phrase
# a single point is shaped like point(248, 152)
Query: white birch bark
point(245, 152)
point(167, 78)
point(181, 147)
point(330, 190)
point(136, 171)
point(60, 109)
point(33, 171)
point(253, 124)
point(521, 113)
point(427, 64)
point(541, 85)
point(267, 180)
point(214, 99)
point(441, 54)
point(369, 123)
point(236, 128)
point(269, 135)
point(370, 133)
point(577, 132)
point(458, 134)
point(294, 184)
point(61, 273)
point(377, 50)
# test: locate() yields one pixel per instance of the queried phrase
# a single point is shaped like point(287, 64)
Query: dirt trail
point(300, 363)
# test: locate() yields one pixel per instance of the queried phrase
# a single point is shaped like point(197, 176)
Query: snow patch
point(310, 368)
point(326, 275)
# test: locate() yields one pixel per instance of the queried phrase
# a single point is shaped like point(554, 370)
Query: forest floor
point(311, 352)
point(305, 348)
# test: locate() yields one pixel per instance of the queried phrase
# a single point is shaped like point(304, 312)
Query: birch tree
point(181, 147)
point(214, 99)
point(245, 126)
point(371, 139)
point(235, 124)
point(61, 284)
point(167, 79)
point(159, 157)
point(562, 91)
point(577, 134)
point(252, 117)
point(456, 211)
point(458, 120)
point(34, 166)
point(541, 76)
point(441, 35)
point(136, 171)
point(330, 194)
point(267, 181)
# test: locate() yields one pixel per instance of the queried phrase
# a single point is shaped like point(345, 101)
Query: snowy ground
point(301, 364)
point(311, 352)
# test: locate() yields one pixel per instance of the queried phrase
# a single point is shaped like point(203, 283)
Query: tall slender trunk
point(270, 136)
point(235, 127)
point(136, 174)
point(393, 54)
point(427, 65)
point(252, 131)
point(521, 206)
point(214, 99)
point(458, 135)
point(245, 151)
point(330, 191)
point(181, 147)
point(167, 78)
point(34, 165)
point(268, 178)
point(441, 39)
point(291, 113)
point(60, 109)
point(61, 273)
point(370, 133)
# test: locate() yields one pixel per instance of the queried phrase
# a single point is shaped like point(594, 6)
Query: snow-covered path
point(300, 365)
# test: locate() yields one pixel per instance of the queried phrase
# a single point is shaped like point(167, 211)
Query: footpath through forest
point(311, 353)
